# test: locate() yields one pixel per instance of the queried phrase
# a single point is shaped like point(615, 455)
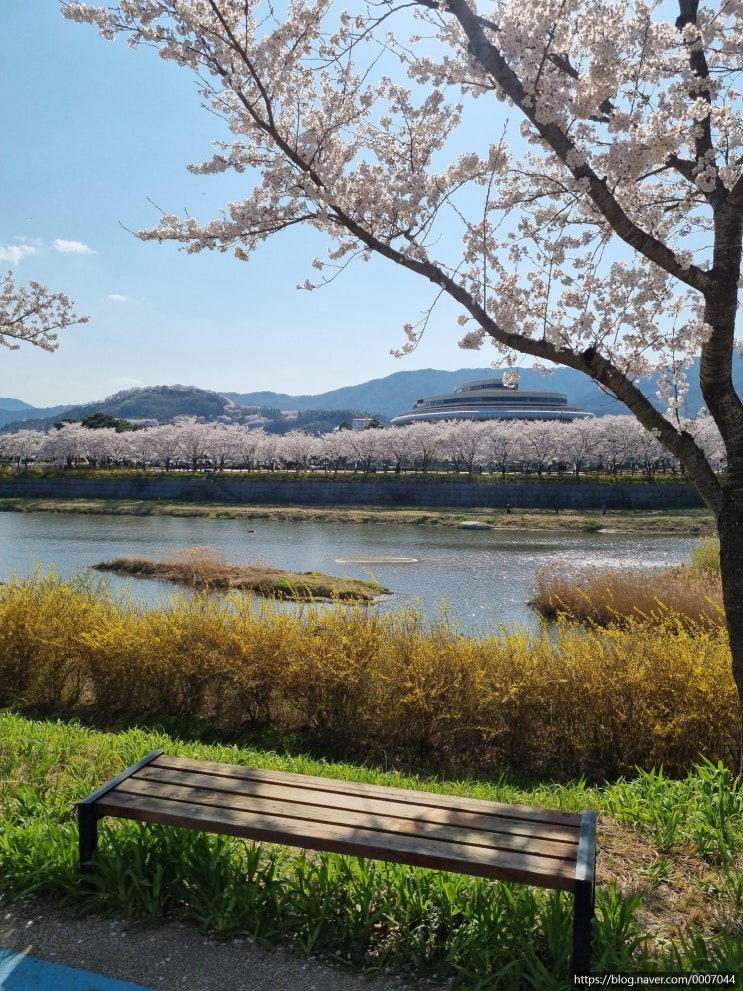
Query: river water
point(483, 578)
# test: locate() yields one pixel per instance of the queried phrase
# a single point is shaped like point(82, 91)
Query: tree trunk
point(730, 530)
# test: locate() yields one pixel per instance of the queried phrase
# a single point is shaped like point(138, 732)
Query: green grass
point(670, 894)
point(706, 557)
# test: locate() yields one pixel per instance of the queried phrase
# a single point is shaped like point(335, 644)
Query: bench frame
point(442, 832)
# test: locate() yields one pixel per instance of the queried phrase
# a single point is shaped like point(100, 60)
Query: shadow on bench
point(442, 832)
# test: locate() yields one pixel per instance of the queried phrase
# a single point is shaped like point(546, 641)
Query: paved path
point(171, 957)
point(19, 972)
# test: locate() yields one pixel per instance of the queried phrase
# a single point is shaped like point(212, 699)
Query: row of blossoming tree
point(611, 444)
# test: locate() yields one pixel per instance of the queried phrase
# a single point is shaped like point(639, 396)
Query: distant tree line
point(609, 444)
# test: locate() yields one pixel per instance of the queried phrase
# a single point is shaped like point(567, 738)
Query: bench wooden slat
point(373, 819)
point(336, 785)
point(463, 858)
point(158, 780)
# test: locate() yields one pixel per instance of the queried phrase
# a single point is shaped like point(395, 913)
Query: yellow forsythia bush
point(330, 668)
point(40, 662)
point(607, 701)
point(388, 687)
point(427, 702)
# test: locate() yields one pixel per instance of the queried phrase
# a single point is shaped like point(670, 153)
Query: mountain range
point(382, 398)
point(396, 393)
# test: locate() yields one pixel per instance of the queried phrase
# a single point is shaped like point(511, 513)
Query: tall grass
point(669, 881)
point(606, 597)
point(389, 688)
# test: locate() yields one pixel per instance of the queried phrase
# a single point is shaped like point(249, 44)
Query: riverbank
point(435, 493)
point(660, 521)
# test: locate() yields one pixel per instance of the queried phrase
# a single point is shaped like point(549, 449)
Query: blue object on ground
point(19, 972)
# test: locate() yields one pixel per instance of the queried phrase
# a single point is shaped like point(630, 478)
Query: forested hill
point(164, 404)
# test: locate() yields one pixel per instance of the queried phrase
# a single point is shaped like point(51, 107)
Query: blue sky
point(93, 135)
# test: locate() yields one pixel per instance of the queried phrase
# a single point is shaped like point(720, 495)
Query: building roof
point(491, 399)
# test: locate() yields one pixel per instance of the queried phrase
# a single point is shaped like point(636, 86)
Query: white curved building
point(490, 399)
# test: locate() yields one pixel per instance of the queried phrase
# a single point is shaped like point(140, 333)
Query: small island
point(204, 568)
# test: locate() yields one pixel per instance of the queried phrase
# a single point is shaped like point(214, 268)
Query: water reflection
point(484, 577)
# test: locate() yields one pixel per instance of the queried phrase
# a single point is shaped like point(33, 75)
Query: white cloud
point(13, 253)
point(117, 297)
point(72, 247)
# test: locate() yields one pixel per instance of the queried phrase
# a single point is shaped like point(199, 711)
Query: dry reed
point(605, 597)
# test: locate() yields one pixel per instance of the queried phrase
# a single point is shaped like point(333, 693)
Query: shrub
point(706, 557)
point(40, 658)
point(427, 701)
point(561, 700)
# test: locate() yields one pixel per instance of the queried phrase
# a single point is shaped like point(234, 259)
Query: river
point(484, 578)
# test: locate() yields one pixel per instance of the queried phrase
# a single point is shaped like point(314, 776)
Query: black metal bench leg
point(584, 894)
point(87, 825)
point(582, 919)
point(87, 817)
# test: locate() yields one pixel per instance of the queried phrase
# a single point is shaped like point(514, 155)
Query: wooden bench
point(462, 835)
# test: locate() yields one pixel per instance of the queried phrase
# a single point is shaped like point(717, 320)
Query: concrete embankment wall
point(409, 493)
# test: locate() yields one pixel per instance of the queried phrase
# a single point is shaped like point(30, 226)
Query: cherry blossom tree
point(158, 445)
point(364, 448)
point(426, 439)
point(33, 314)
point(333, 448)
point(105, 446)
point(646, 450)
point(22, 446)
point(252, 447)
point(222, 443)
point(614, 439)
point(463, 444)
point(397, 447)
point(705, 432)
point(192, 440)
point(67, 445)
point(502, 444)
point(296, 448)
point(568, 172)
point(540, 444)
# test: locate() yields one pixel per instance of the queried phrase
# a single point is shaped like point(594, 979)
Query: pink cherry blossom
point(33, 313)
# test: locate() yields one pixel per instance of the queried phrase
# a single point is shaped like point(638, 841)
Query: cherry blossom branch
point(33, 314)
point(677, 441)
point(571, 156)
